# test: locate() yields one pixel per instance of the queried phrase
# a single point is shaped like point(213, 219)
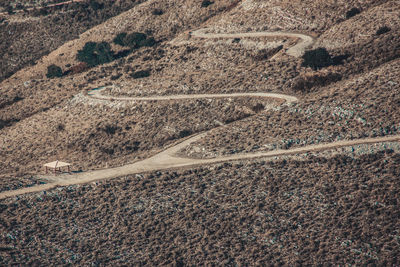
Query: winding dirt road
point(296, 51)
point(168, 158)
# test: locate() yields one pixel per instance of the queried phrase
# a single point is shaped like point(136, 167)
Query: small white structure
point(56, 166)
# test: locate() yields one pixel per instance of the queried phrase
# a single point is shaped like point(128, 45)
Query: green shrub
point(383, 30)
point(317, 58)
point(352, 12)
point(94, 54)
point(54, 71)
point(206, 3)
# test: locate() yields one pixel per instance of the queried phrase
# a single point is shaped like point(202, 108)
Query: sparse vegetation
point(54, 71)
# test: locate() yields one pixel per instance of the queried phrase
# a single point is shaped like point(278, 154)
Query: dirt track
point(168, 158)
point(48, 6)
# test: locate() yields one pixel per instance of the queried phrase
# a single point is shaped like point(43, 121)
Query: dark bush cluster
point(317, 58)
point(96, 5)
point(140, 74)
point(94, 54)
point(157, 12)
point(134, 40)
point(320, 58)
point(206, 3)
point(352, 12)
point(184, 133)
point(10, 10)
point(383, 30)
point(54, 71)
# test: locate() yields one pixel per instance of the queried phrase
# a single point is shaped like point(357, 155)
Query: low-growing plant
point(383, 30)
point(54, 71)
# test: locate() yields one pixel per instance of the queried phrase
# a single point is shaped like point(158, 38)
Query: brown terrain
point(216, 144)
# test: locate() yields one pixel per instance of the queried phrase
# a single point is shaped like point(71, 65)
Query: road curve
point(168, 158)
point(296, 51)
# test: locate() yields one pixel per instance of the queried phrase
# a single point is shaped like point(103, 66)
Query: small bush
point(235, 40)
point(140, 74)
point(258, 107)
point(111, 129)
point(134, 40)
point(206, 3)
point(157, 12)
point(352, 12)
point(317, 58)
point(184, 133)
point(54, 71)
point(60, 127)
point(116, 77)
point(383, 30)
point(10, 10)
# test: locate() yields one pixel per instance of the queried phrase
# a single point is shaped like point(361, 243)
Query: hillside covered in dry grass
point(336, 206)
